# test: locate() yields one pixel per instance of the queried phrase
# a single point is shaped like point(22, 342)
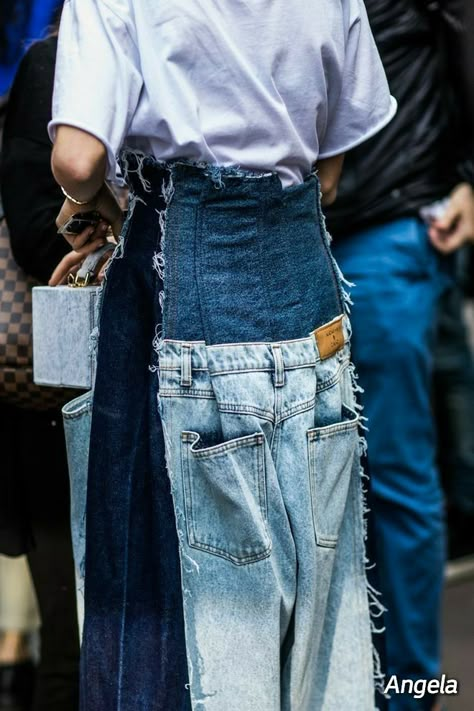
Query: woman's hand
point(71, 263)
point(106, 204)
point(79, 164)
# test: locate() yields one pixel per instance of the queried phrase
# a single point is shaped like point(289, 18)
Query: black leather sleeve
point(426, 150)
point(457, 19)
point(31, 198)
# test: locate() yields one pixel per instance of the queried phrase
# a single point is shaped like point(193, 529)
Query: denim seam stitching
point(322, 540)
point(219, 449)
point(325, 240)
point(317, 434)
point(244, 410)
point(192, 540)
point(296, 410)
point(198, 243)
point(260, 218)
point(172, 392)
point(334, 379)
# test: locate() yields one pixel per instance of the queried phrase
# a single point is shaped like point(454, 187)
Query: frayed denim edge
point(158, 264)
point(118, 253)
point(217, 173)
point(376, 608)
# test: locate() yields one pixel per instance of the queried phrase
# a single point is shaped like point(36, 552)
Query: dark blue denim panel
point(245, 260)
point(134, 655)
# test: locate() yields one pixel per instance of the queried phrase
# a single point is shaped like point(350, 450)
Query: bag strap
point(89, 267)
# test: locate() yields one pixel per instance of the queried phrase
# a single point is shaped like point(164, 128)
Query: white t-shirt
point(260, 84)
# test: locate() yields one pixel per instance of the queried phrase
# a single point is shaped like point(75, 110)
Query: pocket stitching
point(251, 440)
point(315, 435)
point(216, 450)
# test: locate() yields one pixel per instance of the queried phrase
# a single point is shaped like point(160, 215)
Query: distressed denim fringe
point(376, 608)
point(217, 174)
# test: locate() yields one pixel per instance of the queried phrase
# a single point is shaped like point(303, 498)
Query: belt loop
point(186, 369)
point(279, 375)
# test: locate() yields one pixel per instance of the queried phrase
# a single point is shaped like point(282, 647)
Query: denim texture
point(77, 417)
point(133, 651)
point(262, 447)
point(454, 404)
point(263, 455)
point(244, 261)
point(63, 319)
point(399, 279)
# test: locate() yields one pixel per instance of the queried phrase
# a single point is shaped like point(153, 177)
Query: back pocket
point(332, 451)
point(225, 497)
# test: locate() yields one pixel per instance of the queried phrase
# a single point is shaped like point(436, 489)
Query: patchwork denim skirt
point(225, 563)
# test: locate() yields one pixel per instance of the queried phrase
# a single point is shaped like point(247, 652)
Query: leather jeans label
point(330, 338)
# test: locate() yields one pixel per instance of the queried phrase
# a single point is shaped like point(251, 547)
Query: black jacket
point(30, 195)
point(425, 150)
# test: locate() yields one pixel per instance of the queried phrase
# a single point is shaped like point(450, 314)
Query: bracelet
point(78, 202)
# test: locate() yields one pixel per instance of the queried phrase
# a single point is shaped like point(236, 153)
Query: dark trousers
point(454, 405)
point(34, 518)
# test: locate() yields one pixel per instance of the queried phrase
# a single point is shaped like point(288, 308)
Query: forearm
point(79, 163)
point(329, 172)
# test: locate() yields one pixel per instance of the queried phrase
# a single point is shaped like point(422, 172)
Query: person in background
point(453, 398)
point(19, 620)
point(20, 22)
point(469, 59)
point(34, 486)
point(400, 264)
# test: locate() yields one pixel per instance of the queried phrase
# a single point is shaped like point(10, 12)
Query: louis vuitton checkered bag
point(16, 351)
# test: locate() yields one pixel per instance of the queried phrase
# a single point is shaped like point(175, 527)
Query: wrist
point(82, 202)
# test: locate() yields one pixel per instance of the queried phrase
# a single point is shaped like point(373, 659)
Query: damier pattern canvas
point(16, 342)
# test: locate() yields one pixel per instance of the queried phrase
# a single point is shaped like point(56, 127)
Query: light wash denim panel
point(77, 416)
point(262, 446)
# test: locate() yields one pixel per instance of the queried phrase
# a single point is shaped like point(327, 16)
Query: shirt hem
point(365, 137)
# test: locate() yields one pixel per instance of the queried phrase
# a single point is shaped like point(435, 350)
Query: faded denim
point(263, 456)
point(262, 447)
point(77, 416)
point(63, 319)
point(211, 257)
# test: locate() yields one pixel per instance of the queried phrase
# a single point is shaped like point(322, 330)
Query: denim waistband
point(145, 175)
point(241, 357)
point(241, 258)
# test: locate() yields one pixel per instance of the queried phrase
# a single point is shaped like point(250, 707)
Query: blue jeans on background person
point(399, 279)
point(225, 242)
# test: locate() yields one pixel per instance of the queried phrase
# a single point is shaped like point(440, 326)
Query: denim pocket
point(225, 497)
point(332, 451)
